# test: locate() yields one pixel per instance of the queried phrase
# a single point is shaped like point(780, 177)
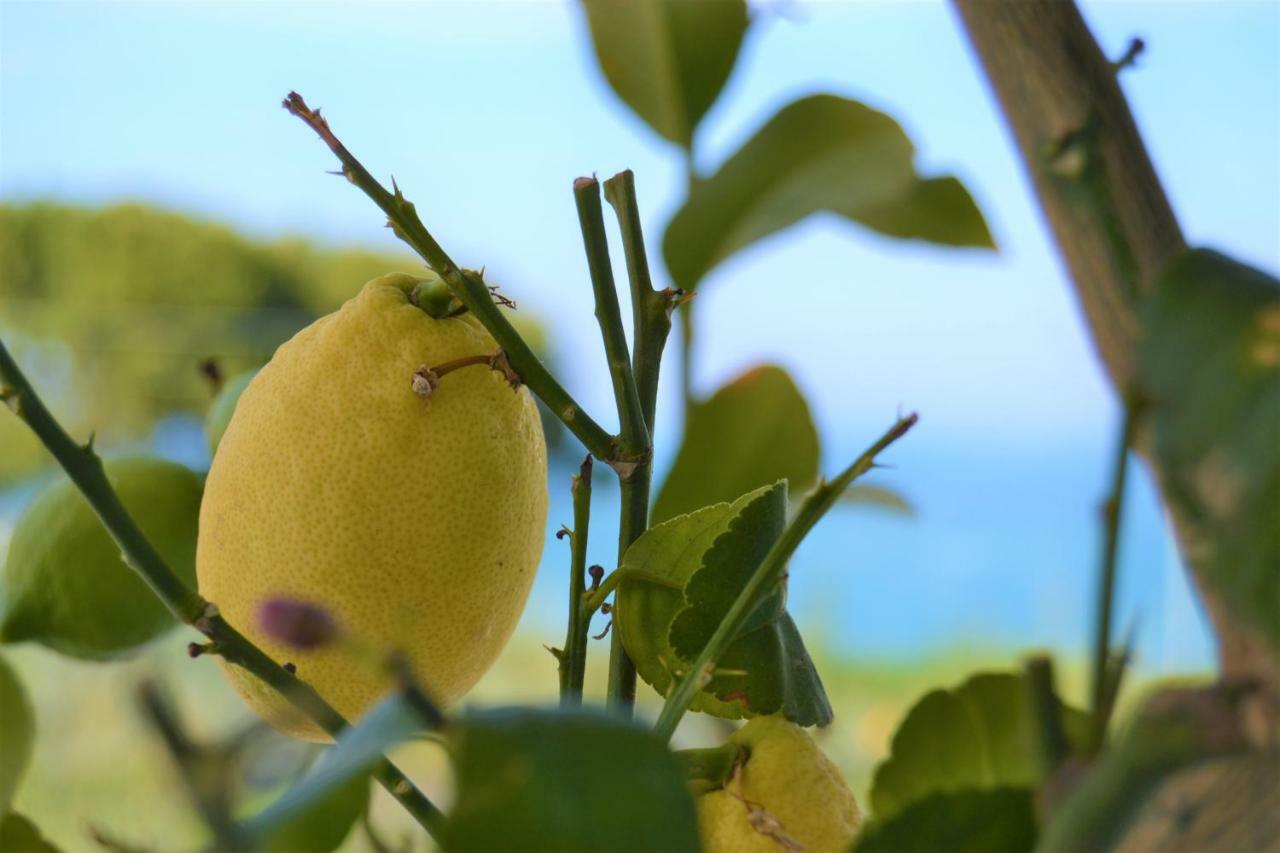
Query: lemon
point(416, 521)
point(224, 405)
point(786, 796)
point(65, 584)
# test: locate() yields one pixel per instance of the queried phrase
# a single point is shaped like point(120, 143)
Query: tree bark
point(1108, 213)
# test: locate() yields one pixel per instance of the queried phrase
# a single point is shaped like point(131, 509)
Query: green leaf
point(566, 781)
point(680, 578)
point(20, 835)
point(820, 153)
point(981, 735)
point(667, 59)
point(1210, 367)
point(339, 777)
point(1175, 730)
point(999, 820)
point(17, 731)
point(754, 431)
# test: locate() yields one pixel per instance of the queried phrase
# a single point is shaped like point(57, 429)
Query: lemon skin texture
point(802, 794)
point(65, 584)
point(417, 522)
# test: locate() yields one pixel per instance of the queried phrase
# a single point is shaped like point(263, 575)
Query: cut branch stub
point(426, 379)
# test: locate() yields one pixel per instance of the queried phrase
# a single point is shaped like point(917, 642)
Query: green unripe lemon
point(65, 584)
point(786, 793)
point(224, 405)
point(416, 521)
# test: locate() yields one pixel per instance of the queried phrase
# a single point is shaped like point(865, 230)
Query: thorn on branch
point(195, 650)
point(564, 532)
point(605, 632)
point(597, 575)
point(606, 608)
point(556, 653)
point(674, 297)
point(1129, 58)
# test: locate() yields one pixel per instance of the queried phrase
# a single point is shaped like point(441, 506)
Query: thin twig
point(573, 662)
point(1047, 711)
point(468, 287)
point(634, 431)
point(1113, 511)
point(84, 468)
point(205, 782)
point(764, 580)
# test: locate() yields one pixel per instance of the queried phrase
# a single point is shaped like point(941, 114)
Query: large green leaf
point(17, 730)
point(667, 59)
point(566, 781)
point(820, 153)
point(998, 820)
point(981, 735)
point(1210, 366)
point(679, 580)
point(754, 431)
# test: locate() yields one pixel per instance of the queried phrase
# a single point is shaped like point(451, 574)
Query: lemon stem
point(84, 467)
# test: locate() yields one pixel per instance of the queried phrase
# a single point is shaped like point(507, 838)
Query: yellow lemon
point(416, 521)
point(787, 796)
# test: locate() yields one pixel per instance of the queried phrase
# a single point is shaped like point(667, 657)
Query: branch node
point(204, 622)
point(1129, 58)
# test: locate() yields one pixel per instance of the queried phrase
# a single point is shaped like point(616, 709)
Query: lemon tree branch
point(84, 467)
point(468, 287)
point(573, 661)
point(766, 577)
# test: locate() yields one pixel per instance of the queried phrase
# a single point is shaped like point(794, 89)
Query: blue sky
point(485, 111)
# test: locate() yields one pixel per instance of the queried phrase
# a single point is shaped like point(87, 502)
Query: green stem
point(468, 287)
point(634, 432)
point(573, 664)
point(766, 577)
point(205, 785)
point(650, 309)
point(1047, 710)
point(596, 597)
point(1113, 511)
point(651, 313)
point(84, 467)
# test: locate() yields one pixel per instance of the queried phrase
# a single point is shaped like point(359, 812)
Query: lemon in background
point(786, 796)
point(65, 584)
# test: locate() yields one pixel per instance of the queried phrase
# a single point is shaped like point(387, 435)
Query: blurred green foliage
point(111, 311)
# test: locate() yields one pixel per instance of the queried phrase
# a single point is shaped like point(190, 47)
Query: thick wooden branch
point(1105, 205)
point(1081, 147)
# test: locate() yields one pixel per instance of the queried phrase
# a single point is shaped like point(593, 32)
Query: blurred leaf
point(564, 781)
point(754, 431)
point(981, 735)
point(1175, 729)
point(667, 59)
point(881, 497)
point(17, 731)
point(820, 153)
point(1210, 364)
point(326, 823)
point(66, 583)
point(997, 820)
point(20, 835)
point(339, 772)
point(681, 576)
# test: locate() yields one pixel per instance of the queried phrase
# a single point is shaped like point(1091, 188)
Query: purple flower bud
point(296, 623)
